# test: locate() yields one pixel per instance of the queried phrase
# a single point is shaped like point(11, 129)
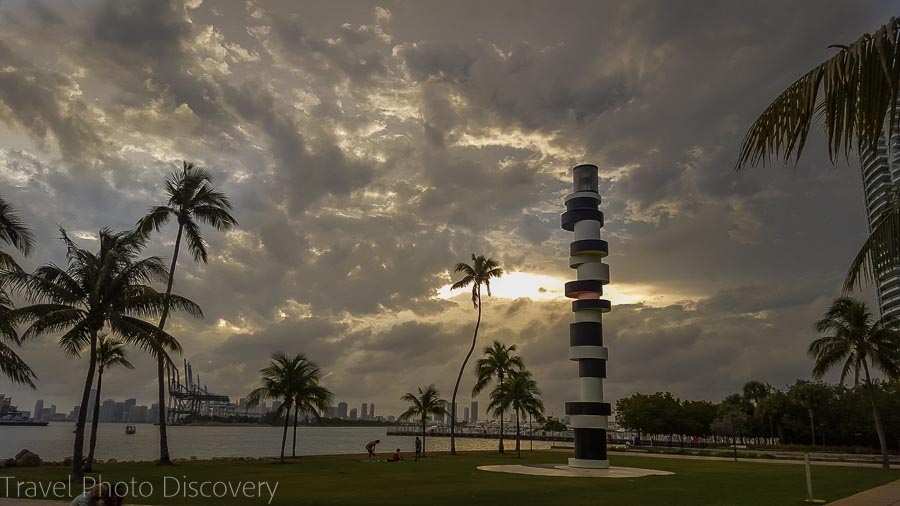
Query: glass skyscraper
point(880, 171)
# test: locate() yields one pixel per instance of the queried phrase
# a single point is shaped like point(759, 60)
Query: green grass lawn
point(443, 479)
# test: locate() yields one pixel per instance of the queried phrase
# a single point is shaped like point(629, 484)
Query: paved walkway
point(741, 459)
point(885, 495)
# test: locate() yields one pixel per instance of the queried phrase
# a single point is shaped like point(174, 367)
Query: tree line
point(805, 413)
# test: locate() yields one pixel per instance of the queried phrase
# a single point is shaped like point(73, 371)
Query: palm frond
point(14, 368)
point(195, 242)
point(859, 85)
point(154, 220)
point(880, 253)
point(13, 230)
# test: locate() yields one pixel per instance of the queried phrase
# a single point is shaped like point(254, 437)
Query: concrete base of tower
point(574, 472)
point(589, 464)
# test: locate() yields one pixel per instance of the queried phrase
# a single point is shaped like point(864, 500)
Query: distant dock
point(482, 435)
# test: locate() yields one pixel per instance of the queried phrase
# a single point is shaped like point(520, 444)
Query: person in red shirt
point(396, 456)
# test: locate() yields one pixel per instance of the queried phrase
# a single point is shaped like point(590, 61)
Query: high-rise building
point(880, 170)
point(353, 414)
point(342, 410)
point(108, 411)
point(473, 413)
point(466, 415)
point(372, 411)
point(452, 411)
point(365, 411)
point(38, 409)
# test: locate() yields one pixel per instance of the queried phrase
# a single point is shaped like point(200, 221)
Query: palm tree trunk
point(812, 426)
point(95, 424)
point(287, 417)
point(294, 450)
point(518, 448)
point(500, 378)
point(885, 461)
point(459, 377)
point(78, 452)
point(423, 435)
point(164, 459)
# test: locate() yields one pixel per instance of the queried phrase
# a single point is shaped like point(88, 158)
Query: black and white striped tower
point(589, 414)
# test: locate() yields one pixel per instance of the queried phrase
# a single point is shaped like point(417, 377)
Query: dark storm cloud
point(356, 53)
point(532, 88)
point(305, 173)
point(46, 106)
point(369, 147)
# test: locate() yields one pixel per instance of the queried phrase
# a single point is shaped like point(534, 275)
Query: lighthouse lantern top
point(585, 178)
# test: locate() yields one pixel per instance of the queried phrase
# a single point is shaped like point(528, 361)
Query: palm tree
point(479, 273)
point(427, 402)
point(860, 84)
point(498, 361)
point(191, 200)
point(13, 232)
point(295, 381)
point(855, 340)
point(308, 395)
point(96, 291)
point(110, 353)
point(519, 393)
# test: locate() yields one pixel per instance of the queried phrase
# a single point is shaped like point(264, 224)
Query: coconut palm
point(520, 393)
point(855, 340)
point(110, 353)
point(192, 200)
point(498, 361)
point(294, 380)
point(97, 291)
point(859, 86)
point(13, 232)
point(427, 402)
point(478, 273)
point(308, 395)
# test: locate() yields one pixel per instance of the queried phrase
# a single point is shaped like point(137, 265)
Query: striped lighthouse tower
point(588, 415)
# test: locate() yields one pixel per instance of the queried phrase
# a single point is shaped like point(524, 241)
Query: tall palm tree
point(309, 396)
point(110, 353)
point(97, 291)
point(427, 402)
point(810, 396)
point(478, 273)
point(192, 200)
point(521, 394)
point(859, 85)
point(498, 361)
point(855, 340)
point(13, 232)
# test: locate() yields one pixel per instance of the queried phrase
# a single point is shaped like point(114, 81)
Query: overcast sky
point(369, 146)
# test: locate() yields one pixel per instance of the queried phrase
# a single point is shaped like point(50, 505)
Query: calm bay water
point(54, 442)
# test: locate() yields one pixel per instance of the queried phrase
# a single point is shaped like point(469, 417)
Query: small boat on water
point(130, 429)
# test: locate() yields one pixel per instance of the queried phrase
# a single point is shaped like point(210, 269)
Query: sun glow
point(514, 285)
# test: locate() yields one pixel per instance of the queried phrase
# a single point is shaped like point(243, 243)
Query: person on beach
point(418, 447)
point(370, 447)
point(100, 495)
point(396, 457)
